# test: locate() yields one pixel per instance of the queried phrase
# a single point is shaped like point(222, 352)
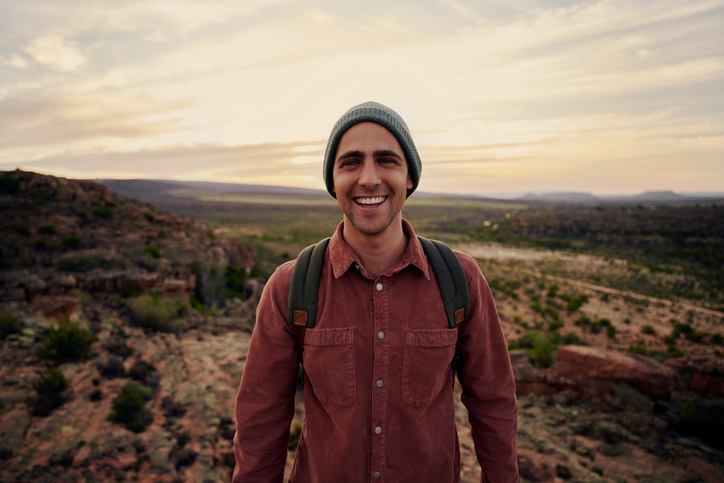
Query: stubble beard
point(371, 228)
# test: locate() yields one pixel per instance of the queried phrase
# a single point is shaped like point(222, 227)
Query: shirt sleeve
point(265, 402)
point(486, 377)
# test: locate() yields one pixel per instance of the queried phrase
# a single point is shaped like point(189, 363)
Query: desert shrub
point(211, 234)
point(717, 339)
point(504, 287)
point(47, 230)
point(235, 283)
point(575, 302)
point(8, 324)
point(541, 348)
point(611, 331)
point(67, 341)
point(647, 329)
point(596, 326)
point(552, 290)
point(128, 406)
point(104, 212)
point(555, 325)
point(80, 263)
point(49, 389)
point(71, 242)
point(40, 245)
point(582, 321)
point(140, 370)
point(553, 313)
point(152, 251)
point(156, 313)
point(627, 321)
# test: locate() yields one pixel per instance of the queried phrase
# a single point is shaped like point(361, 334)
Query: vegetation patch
point(129, 407)
point(71, 242)
point(542, 347)
point(50, 392)
point(156, 313)
point(67, 341)
point(152, 251)
point(8, 325)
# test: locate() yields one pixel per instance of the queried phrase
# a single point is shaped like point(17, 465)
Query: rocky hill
point(121, 329)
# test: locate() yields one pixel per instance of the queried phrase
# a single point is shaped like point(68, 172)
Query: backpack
point(304, 286)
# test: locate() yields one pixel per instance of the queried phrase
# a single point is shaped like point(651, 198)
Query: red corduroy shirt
point(378, 388)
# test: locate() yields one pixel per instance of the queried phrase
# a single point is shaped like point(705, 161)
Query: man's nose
point(369, 177)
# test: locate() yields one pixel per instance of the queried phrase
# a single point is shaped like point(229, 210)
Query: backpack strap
point(303, 290)
point(451, 279)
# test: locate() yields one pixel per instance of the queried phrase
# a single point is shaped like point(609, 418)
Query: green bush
point(40, 245)
point(555, 325)
point(552, 290)
point(152, 251)
point(49, 389)
point(80, 263)
point(541, 348)
point(8, 325)
point(47, 230)
point(155, 313)
point(66, 342)
point(104, 212)
point(128, 406)
point(647, 329)
point(71, 242)
point(717, 339)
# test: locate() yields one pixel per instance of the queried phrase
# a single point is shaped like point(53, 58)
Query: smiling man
point(378, 356)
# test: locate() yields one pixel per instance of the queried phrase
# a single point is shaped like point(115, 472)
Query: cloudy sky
point(603, 96)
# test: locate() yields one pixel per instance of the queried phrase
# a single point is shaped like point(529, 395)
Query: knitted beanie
point(384, 116)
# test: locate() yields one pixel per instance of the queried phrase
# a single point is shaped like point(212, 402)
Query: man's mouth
point(368, 201)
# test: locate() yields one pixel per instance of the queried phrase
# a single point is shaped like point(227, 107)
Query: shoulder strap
point(303, 289)
point(451, 279)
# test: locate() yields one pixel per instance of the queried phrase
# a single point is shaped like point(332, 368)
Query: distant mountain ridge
point(159, 189)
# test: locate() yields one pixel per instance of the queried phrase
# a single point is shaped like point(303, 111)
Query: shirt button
point(380, 335)
point(377, 474)
point(379, 287)
point(378, 430)
point(379, 383)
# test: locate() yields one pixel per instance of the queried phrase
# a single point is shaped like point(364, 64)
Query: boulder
point(594, 371)
point(56, 307)
point(528, 379)
point(701, 374)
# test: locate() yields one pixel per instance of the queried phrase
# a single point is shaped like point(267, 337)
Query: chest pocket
point(329, 365)
point(426, 364)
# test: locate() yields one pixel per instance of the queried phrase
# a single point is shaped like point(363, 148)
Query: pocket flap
point(322, 337)
point(431, 338)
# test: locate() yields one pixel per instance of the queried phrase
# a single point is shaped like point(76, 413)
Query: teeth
point(371, 201)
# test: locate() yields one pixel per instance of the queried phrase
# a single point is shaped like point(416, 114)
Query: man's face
point(370, 178)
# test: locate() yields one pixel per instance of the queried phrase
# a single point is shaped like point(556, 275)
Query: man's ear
point(409, 181)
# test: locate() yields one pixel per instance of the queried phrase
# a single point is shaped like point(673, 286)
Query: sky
point(509, 96)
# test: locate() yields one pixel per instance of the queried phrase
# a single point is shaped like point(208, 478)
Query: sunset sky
point(508, 96)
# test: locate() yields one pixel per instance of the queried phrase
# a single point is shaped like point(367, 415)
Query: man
point(378, 393)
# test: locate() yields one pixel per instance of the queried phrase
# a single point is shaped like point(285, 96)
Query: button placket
point(381, 352)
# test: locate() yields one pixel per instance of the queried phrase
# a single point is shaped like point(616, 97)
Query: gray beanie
point(384, 116)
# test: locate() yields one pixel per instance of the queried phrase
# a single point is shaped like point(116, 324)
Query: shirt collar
point(342, 257)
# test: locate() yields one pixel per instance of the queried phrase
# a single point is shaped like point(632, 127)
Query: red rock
point(594, 371)
point(528, 379)
point(56, 307)
point(532, 472)
point(702, 374)
point(176, 288)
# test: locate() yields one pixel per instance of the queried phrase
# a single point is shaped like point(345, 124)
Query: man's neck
point(378, 252)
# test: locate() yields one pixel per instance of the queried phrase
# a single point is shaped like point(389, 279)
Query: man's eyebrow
point(351, 154)
point(386, 153)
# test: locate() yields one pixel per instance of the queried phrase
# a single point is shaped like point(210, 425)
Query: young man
point(378, 391)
